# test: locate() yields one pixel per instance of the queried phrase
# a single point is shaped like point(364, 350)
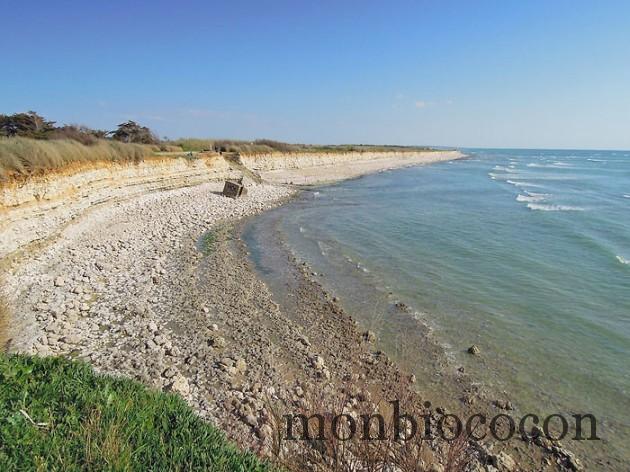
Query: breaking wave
point(532, 197)
point(555, 165)
point(522, 183)
point(543, 207)
point(623, 260)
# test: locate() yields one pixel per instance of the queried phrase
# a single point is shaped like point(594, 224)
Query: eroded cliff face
point(37, 208)
point(282, 161)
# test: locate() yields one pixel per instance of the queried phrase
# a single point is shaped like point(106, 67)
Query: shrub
point(132, 132)
point(28, 124)
point(80, 134)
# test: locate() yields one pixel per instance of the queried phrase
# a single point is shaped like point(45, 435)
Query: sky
point(537, 74)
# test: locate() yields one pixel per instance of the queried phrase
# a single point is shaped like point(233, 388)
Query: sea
point(524, 253)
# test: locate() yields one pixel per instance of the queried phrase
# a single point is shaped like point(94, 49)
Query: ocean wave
point(555, 165)
point(504, 169)
point(532, 197)
point(595, 160)
point(543, 207)
point(623, 260)
point(522, 183)
point(625, 195)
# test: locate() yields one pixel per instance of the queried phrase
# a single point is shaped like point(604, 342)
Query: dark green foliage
point(57, 414)
point(132, 132)
point(29, 124)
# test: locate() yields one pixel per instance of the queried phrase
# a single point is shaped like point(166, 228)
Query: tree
point(132, 132)
point(29, 124)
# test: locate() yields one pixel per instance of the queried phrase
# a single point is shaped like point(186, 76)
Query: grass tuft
point(58, 414)
point(208, 240)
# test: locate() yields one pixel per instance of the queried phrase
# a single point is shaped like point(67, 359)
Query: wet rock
point(504, 404)
point(402, 306)
point(474, 350)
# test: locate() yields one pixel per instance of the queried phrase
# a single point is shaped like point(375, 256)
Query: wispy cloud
point(420, 104)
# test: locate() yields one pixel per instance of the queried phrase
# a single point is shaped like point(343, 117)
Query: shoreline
point(451, 391)
point(203, 325)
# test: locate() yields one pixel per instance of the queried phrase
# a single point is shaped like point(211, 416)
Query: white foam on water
point(555, 165)
point(625, 195)
point(595, 160)
point(544, 207)
point(520, 183)
point(532, 197)
point(623, 260)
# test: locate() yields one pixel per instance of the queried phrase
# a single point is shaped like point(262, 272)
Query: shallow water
point(525, 253)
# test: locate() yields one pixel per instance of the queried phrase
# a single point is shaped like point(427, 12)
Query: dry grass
point(380, 453)
point(266, 146)
point(25, 156)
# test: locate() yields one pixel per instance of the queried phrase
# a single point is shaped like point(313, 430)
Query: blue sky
point(456, 73)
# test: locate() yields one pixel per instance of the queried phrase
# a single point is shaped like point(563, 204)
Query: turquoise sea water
point(525, 253)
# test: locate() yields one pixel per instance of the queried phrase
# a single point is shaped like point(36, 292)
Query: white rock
point(180, 385)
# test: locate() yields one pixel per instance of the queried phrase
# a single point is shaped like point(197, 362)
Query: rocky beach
point(158, 287)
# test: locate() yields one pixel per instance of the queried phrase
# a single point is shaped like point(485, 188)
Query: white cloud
point(420, 104)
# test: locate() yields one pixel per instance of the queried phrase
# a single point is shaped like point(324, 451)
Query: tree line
point(32, 125)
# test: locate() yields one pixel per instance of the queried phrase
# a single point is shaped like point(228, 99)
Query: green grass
point(84, 421)
point(207, 243)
